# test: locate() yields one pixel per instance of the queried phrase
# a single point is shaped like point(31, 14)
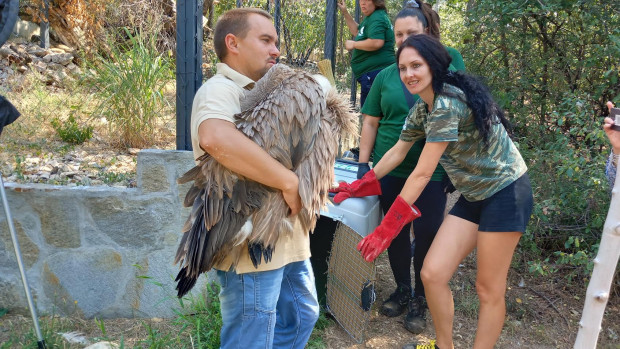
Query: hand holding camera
point(612, 128)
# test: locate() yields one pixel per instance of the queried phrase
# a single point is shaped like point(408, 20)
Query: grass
point(316, 340)
point(197, 324)
point(465, 299)
point(130, 89)
point(22, 335)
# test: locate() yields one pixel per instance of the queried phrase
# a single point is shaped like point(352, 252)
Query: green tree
point(552, 64)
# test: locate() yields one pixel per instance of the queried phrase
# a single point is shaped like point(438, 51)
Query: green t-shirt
point(457, 58)
point(375, 26)
point(476, 171)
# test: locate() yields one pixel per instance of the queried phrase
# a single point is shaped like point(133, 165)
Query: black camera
point(614, 114)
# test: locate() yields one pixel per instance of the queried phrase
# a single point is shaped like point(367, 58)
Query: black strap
point(408, 95)
point(8, 113)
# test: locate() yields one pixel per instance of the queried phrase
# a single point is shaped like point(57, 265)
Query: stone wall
point(98, 251)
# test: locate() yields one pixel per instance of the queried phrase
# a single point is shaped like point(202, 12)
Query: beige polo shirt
point(219, 98)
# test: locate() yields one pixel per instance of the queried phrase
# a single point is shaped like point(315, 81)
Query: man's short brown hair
point(233, 22)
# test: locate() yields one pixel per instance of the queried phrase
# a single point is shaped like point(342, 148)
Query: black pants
point(432, 204)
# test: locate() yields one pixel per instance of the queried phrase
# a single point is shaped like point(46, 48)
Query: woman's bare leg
point(494, 254)
point(455, 239)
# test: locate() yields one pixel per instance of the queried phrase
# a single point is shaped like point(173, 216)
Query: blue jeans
point(366, 81)
point(269, 309)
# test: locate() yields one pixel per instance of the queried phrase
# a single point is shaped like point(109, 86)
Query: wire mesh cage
point(350, 283)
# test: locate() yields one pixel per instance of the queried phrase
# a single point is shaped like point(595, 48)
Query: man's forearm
point(238, 153)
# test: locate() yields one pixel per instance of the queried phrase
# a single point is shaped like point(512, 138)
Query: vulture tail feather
point(185, 283)
point(189, 175)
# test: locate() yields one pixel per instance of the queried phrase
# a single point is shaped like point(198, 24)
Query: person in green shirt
point(467, 133)
point(373, 47)
point(384, 114)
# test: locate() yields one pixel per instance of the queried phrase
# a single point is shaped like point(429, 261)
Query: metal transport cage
point(345, 281)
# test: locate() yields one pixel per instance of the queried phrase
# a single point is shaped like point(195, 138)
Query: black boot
point(397, 302)
point(415, 321)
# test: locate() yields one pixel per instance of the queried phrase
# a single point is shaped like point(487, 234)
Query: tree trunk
point(602, 275)
point(207, 11)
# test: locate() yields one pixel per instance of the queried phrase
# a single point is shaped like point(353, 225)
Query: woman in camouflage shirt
point(466, 133)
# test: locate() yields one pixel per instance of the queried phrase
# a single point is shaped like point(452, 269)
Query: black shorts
point(507, 210)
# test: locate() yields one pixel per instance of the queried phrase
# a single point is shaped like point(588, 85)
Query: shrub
point(571, 193)
point(130, 84)
point(70, 132)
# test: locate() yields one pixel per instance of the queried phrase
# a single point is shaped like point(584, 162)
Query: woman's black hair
point(477, 96)
point(423, 12)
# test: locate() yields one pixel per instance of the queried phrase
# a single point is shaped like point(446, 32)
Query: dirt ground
point(542, 313)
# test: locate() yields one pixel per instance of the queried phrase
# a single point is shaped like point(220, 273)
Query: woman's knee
point(433, 275)
point(491, 291)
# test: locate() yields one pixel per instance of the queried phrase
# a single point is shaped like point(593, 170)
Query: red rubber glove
point(366, 186)
point(399, 214)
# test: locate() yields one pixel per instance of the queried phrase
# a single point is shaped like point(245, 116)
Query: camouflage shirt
point(475, 170)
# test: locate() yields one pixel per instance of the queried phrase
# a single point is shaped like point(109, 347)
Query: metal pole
point(277, 19)
point(358, 13)
point(44, 27)
point(331, 29)
point(20, 263)
point(189, 66)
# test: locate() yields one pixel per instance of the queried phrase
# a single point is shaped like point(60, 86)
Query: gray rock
point(58, 218)
point(131, 222)
point(28, 248)
point(25, 29)
point(102, 345)
point(90, 279)
point(6, 52)
point(11, 293)
point(80, 244)
point(62, 58)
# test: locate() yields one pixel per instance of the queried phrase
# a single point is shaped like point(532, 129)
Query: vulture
point(298, 119)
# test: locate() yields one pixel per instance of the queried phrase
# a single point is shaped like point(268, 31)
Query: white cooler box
point(361, 214)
